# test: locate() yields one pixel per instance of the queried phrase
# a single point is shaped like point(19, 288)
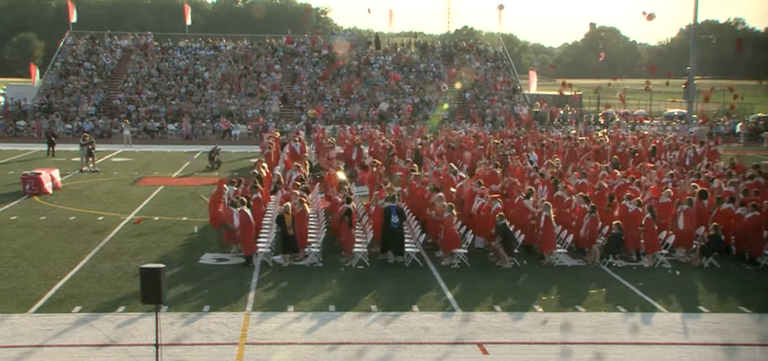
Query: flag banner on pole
point(533, 81)
point(34, 74)
point(391, 18)
point(187, 15)
point(72, 12)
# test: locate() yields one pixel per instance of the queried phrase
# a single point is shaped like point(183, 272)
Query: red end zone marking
point(482, 349)
point(401, 343)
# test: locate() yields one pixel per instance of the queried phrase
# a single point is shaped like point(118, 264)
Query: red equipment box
point(54, 175)
point(36, 183)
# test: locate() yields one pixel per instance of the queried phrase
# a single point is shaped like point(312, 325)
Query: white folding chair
point(460, 255)
point(560, 253)
point(660, 257)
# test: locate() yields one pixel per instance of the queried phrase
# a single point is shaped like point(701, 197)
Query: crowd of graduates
point(637, 183)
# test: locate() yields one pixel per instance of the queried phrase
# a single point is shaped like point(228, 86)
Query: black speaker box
point(152, 280)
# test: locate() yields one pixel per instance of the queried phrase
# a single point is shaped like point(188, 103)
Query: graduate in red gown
point(450, 239)
point(376, 214)
point(754, 226)
point(723, 216)
point(650, 235)
point(686, 226)
point(246, 232)
point(664, 210)
point(231, 222)
point(216, 204)
point(547, 236)
point(300, 211)
point(587, 236)
point(347, 224)
point(258, 207)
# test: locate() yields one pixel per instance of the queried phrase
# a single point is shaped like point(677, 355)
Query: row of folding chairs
point(414, 237)
point(363, 234)
point(265, 240)
point(317, 229)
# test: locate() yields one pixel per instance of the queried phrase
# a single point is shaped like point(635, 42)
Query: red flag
point(533, 81)
point(391, 17)
point(34, 73)
point(72, 12)
point(187, 15)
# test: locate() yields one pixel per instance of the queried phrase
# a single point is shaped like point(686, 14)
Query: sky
point(548, 22)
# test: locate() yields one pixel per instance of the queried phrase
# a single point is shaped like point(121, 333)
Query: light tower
point(448, 4)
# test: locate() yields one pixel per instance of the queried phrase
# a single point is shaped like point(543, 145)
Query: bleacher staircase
point(286, 68)
point(121, 69)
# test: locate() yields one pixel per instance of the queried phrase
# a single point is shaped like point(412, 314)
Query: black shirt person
point(50, 137)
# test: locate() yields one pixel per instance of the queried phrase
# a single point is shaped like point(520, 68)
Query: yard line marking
point(290, 308)
point(120, 309)
point(62, 178)
point(101, 245)
point(374, 309)
point(183, 218)
point(621, 309)
point(634, 289)
point(482, 349)
point(76, 309)
point(156, 218)
point(14, 217)
point(703, 309)
point(439, 279)
point(206, 308)
point(11, 172)
point(71, 218)
point(331, 308)
point(496, 308)
point(42, 218)
point(17, 156)
point(100, 218)
point(745, 310)
point(164, 309)
point(538, 308)
point(248, 309)
point(415, 308)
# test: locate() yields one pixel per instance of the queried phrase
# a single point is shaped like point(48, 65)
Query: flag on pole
point(391, 18)
point(72, 12)
point(187, 15)
point(34, 74)
point(533, 81)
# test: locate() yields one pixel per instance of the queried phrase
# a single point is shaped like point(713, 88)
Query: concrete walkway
point(387, 336)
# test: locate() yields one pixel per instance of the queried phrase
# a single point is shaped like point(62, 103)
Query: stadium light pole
point(691, 100)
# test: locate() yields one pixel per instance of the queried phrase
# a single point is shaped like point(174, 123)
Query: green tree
point(23, 49)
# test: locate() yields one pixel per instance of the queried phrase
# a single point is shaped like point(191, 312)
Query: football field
point(78, 250)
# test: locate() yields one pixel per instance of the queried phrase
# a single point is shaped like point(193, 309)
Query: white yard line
point(440, 281)
point(101, 245)
point(634, 289)
point(62, 178)
point(252, 289)
point(16, 156)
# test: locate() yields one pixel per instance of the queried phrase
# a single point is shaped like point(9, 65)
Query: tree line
point(33, 30)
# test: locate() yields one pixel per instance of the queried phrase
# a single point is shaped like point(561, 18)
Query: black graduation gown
point(393, 230)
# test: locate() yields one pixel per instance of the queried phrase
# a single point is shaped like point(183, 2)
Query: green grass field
point(663, 97)
point(45, 238)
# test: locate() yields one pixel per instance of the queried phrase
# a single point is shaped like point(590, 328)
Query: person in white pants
point(127, 134)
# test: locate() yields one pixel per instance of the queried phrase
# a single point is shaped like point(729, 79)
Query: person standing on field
point(50, 137)
point(127, 134)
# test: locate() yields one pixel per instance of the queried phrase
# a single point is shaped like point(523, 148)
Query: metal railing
point(53, 61)
point(514, 69)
